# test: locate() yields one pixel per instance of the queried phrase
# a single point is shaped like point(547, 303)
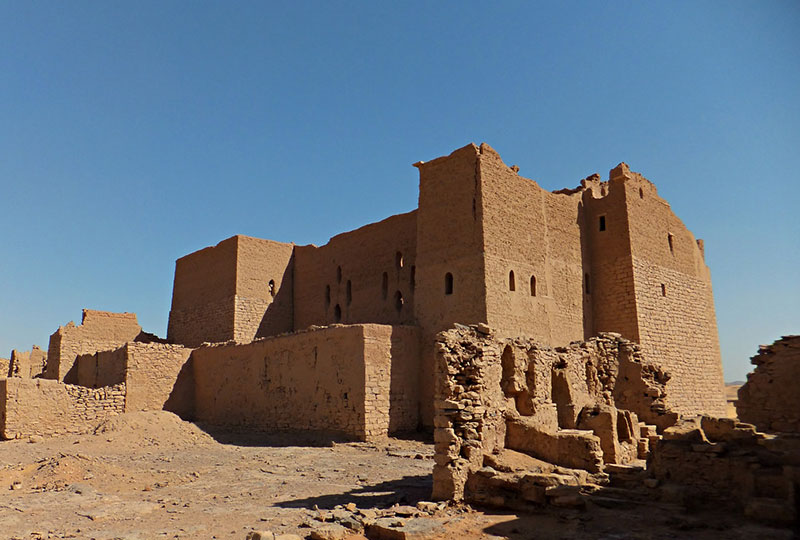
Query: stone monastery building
point(342, 336)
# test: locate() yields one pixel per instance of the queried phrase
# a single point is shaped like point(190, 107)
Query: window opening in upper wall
point(512, 284)
point(272, 287)
point(338, 274)
point(671, 246)
point(448, 283)
point(586, 284)
point(602, 223)
point(398, 301)
point(398, 260)
point(385, 285)
point(533, 285)
point(349, 292)
point(641, 193)
point(663, 289)
point(413, 279)
point(327, 296)
point(337, 313)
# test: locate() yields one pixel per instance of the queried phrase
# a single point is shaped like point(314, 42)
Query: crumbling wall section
point(98, 331)
point(46, 407)
point(770, 398)
point(26, 364)
point(577, 406)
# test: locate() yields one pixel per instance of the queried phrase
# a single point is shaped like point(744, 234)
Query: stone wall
point(770, 398)
point(355, 380)
point(98, 331)
point(156, 375)
point(46, 407)
point(722, 462)
point(5, 367)
point(578, 406)
point(27, 364)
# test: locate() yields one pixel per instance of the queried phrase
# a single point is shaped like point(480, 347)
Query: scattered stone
point(260, 535)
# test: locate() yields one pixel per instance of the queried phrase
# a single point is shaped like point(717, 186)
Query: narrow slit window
point(338, 274)
point(272, 287)
point(398, 301)
point(671, 244)
point(602, 223)
point(663, 289)
point(327, 296)
point(337, 313)
point(641, 193)
point(586, 286)
point(512, 284)
point(448, 283)
point(385, 285)
point(349, 292)
point(533, 285)
point(413, 278)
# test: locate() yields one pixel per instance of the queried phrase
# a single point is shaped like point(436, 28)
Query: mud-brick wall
point(26, 364)
point(391, 367)
point(46, 407)
point(309, 380)
point(158, 376)
point(770, 399)
point(99, 331)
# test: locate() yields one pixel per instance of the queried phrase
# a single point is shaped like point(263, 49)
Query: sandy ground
point(151, 476)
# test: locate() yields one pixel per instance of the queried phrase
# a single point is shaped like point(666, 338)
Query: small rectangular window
point(602, 223)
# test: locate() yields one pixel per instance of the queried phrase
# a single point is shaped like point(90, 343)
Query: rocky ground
point(150, 476)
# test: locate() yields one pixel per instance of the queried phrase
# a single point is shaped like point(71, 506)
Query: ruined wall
point(536, 235)
point(98, 331)
point(578, 406)
point(770, 398)
point(27, 364)
point(362, 276)
point(330, 379)
point(47, 407)
point(5, 367)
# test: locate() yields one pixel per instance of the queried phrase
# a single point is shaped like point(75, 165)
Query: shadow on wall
point(586, 257)
point(406, 490)
point(181, 399)
point(274, 320)
point(404, 395)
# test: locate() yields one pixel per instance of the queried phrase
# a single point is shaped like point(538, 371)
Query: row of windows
point(670, 237)
point(512, 283)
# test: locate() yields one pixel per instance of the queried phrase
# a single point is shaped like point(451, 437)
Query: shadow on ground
point(407, 490)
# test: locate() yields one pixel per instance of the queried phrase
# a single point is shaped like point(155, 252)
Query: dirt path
point(151, 476)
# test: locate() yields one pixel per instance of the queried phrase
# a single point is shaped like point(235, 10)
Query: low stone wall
point(45, 407)
point(720, 461)
point(770, 399)
point(360, 381)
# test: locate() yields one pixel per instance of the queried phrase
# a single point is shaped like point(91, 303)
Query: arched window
point(385, 285)
point(533, 285)
point(337, 313)
point(349, 292)
point(338, 274)
point(512, 283)
point(448, 283)
point(398, 301)
point(398, 260)
point(272, 287)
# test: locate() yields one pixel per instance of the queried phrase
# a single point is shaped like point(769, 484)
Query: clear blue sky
point(132, 133)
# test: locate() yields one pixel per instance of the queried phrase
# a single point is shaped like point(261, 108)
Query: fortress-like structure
point(343, 336)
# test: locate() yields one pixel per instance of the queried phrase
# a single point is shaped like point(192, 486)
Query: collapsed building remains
point(342, 336)
point(770, 398)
